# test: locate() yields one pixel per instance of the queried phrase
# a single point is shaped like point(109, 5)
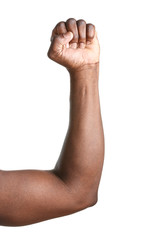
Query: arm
point(30, 196)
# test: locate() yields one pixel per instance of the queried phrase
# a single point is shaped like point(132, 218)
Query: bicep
point(30, 196)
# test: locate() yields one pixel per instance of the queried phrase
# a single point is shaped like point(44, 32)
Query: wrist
point(84, 82)
point(87, 73)
point(85, 67)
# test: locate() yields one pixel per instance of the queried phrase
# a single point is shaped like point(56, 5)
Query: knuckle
point(71, 20)
point(90, 26)
point(60, 27)
point(60, 24)
point(81, 22)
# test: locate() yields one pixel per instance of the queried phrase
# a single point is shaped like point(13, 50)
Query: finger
point(71, 26)
point(90, 32)
point(82, 33)
point(60, 28)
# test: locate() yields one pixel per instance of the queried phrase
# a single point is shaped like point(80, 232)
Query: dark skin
point(31, 196)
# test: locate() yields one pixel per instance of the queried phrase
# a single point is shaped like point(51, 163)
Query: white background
point(34, 104)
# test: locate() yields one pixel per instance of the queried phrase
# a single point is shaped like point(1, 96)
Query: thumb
point(63, 38)
point(57, 43)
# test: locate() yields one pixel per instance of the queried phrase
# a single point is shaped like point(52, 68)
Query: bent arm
point(30, 196)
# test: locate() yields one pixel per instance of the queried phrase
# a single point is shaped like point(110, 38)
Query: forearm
point(81, 160)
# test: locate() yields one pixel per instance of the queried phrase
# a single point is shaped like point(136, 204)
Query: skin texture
point(30, 196)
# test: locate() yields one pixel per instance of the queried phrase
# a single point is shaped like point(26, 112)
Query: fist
point(74, 44)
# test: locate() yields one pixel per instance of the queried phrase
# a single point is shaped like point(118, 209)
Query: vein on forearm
point(84, 104)
point(82, 154)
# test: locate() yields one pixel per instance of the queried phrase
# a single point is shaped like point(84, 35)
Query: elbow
point(90, 202)
point(93, 202)
point(86, 200)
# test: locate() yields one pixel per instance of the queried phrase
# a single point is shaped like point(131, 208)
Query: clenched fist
point(74, 44)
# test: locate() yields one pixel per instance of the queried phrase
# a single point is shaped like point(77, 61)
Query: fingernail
point(73, 45)
point(68, 35)
point(82, 45)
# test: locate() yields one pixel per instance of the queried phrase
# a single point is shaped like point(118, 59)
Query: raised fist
point(74, 44)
